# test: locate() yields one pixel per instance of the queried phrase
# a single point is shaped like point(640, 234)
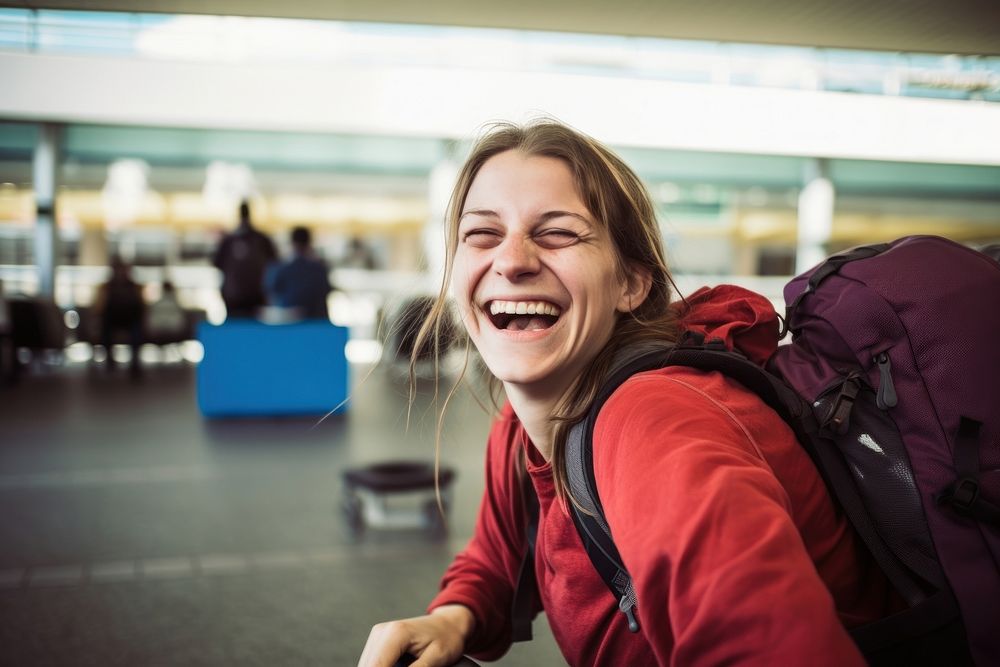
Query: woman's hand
point(437, 640)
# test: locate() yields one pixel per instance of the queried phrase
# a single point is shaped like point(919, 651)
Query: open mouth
point(523, 315)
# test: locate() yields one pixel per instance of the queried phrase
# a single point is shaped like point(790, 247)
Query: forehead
point(517, 178)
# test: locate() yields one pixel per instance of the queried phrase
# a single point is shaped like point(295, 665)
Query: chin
point(515, 375)
point(524, 358)
point(511, 371)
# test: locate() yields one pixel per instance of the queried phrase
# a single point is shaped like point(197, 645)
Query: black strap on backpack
point(963, 495)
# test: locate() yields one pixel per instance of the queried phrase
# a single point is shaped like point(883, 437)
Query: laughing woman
point(736, 551)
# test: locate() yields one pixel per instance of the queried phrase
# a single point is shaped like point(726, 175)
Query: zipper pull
point(885, 397)
point(627, 607)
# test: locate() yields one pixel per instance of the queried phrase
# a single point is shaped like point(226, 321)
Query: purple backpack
point(896, 348)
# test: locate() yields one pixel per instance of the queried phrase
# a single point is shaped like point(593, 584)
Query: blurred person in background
point(243, 256)
point(120, 309)
point(358, 256)
point(301, 283)
point(166, 321)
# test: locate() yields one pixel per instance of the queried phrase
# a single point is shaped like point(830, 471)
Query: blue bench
point(256, 369)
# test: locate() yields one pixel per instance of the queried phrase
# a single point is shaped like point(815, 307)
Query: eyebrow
point(485, 212)
point(548, 215)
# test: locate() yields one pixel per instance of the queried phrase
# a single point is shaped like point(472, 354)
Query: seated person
point(166, 321)
point(120, 309)
point(302, 283)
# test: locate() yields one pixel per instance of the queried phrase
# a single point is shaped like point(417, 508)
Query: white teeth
point(524, 308)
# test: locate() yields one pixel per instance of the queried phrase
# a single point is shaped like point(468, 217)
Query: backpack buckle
point(839, 417)
point(717, 345)
point(962, 495)
point(691, 340)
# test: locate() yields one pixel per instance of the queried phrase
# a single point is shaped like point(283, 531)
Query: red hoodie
point(737, 554)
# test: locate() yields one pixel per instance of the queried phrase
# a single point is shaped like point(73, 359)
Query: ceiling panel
point(936, 26)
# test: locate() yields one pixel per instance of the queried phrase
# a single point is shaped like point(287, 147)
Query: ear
point(635, 289)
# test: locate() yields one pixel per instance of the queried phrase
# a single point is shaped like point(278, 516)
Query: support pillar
point(45, 173)
point(442, 180)
point(815, 224)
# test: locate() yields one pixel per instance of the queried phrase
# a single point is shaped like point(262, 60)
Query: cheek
point(463, 290)
point(460, 279)
point(465, 276)
point(604, 292)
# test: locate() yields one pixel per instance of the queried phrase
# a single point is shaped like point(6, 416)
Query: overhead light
point(124, 191)
point(668, 193)
point(226, 185)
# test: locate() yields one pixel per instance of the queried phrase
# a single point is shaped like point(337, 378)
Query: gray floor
point(133, 532)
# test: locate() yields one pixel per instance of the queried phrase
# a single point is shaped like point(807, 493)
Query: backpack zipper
point(885, 395)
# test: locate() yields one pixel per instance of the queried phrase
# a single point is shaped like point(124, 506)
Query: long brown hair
point(618, 201)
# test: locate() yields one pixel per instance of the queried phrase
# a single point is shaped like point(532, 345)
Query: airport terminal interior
point(185, 500)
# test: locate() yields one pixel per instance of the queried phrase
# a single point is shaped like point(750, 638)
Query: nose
point(516, 258)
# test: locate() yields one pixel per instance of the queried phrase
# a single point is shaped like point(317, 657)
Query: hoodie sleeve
point(721, 573)
point(483, 575)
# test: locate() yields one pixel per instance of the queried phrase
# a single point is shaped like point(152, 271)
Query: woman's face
point(534, 275)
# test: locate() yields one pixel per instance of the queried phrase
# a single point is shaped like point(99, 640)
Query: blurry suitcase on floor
point(256, 369)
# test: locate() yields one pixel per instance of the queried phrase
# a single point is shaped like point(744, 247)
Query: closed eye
point(557, 238)
point(482, 238)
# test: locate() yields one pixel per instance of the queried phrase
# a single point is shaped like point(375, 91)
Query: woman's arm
point(471, 612)
point(483, 576)
point(437, 638)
